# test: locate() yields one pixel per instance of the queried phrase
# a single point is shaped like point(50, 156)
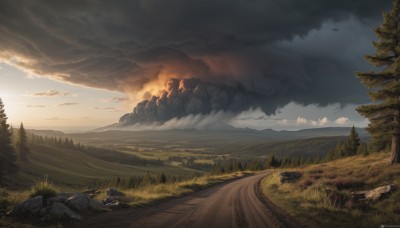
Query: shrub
point(43, 188)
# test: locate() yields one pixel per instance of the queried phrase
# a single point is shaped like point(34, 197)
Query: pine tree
point(384, 114)
point(7, 154)
point(352, 143)
point(22, 144)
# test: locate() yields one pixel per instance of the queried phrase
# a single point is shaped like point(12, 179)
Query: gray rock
point(287, 177)
point(79, 202)
point(60, 211)
point(112, 198)
point(95, 204)
point(28, 207)
point(379, 193)
point(113, 192)
point(116, 205)
point(59, 198)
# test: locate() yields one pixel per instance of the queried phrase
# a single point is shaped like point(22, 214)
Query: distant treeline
point(96, 152)
point(308, 148)
point(271, 161)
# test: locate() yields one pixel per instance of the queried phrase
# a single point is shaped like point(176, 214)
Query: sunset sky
point(261, 64)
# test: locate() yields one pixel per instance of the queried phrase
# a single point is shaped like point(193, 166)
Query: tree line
point(97, 152)
point(11, 150)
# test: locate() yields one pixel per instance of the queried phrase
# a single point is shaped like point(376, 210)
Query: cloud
point(114, 100)
point(342, 120)
point(55, 119)
point(50, 93)
point(301, 120)
point(68, 104)
point(104, 108)
point(320, 122)
point(264, 53)
point(37, 106)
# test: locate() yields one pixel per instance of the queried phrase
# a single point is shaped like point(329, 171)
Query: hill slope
point(73, 169)
point(322, 196)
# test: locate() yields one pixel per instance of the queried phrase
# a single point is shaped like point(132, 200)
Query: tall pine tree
point(384, 113)
point(22, 144)
point(353, 142)
point(7, 153)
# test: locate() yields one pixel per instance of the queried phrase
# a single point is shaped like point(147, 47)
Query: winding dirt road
point(237, 203)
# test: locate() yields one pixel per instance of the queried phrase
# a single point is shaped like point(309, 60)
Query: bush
point(43, 188)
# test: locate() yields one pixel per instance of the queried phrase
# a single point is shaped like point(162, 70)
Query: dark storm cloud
point(229, 46)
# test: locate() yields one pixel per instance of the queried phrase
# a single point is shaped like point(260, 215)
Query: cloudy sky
point(281, 64)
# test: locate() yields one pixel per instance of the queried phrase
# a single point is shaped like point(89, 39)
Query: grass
point(74, 170)
point(322, 196)
point(152, 193)
point(43, 188)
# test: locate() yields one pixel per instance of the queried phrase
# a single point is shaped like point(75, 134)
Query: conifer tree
point(384, 113)
point(22, 144)
point(352, 143)
point(7, 153)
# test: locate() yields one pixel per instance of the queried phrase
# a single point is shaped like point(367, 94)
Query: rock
point(116, 205)
point(379, 193)
point(28, 207)
point(79, 202)
point(286, 177)
point(113, 192)
point(95, 204)
point(61, 212)
point(112, 198)
point(90, 191)
point(59, 199)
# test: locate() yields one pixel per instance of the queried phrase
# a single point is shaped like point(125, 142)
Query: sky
point(280, 64)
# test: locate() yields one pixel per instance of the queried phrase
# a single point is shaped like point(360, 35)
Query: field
point(321, 198)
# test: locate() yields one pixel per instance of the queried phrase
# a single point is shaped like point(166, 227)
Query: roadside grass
point(152, 193)
point(322, 196)
point(146, 195)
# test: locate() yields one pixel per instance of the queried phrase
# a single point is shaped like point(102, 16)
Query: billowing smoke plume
point(191, 97)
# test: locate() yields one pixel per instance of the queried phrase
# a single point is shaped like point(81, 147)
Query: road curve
point(234, 204)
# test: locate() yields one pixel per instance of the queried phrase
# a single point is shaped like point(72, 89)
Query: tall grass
point(43, 188)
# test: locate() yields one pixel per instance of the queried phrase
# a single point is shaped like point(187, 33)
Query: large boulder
point(79, 202)
point(28, 207)
point(59, 211)
point(287, 177)
point(113, 192)
point(379, 193)
point(96, 205)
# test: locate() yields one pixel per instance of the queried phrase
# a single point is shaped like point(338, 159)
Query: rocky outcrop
point(79, 202)
point(379, 193)
point(288, 177)
point(59, 211)
point(30, 207)
point(364, 197)
point(67, 206)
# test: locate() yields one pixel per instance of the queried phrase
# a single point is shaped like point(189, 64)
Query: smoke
point(213, 121)
point(183, 97)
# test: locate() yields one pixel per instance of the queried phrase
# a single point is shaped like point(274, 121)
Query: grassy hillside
point(74, 170)
point(321, 198)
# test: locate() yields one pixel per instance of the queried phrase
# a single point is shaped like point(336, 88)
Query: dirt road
point(235, 204)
